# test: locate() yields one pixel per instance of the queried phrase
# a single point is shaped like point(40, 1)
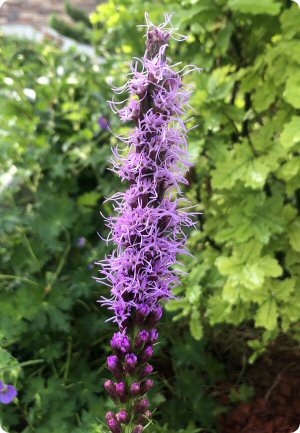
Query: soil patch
point(276, 405)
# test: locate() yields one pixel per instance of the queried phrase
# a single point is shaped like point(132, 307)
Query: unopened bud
point(147, 353)
point(142, 338)
point(130, 363)
point(123, 416)
point(145, 417)
point(138, 429)
point(120, 388)
point(141, 314)
point(110, 415)
point(135, 389)
point(114, 365)
point(147, 385)
point(155, 316)
point(148, 369)
point(141, 405)
point(153, 335)
point(110, 388)
point(121, 342)
point(114, 425)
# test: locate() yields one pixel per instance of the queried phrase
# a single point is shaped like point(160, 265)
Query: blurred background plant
point(80, 28)
point(242, 292)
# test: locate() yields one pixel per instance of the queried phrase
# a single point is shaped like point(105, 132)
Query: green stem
point(68, 360)
point(17, 277)
point(61, 263)
point(31, 362)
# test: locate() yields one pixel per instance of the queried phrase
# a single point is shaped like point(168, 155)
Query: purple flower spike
point(7, 393)
point(148, 229)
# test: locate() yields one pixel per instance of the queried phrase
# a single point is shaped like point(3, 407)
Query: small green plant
point(242, 393)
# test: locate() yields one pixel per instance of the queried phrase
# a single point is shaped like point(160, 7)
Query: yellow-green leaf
point(195, 325)
point(294, 234)
point(291, 133)
point(266, 315)
point(292, 90)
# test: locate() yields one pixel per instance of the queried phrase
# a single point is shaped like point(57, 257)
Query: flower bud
point(114, 425)
point(148, 414)
point(110, 415)
point(148, 369)
point(141, 314)
point(141, 405)
point(110, 388)
point(155, 316)
point(144, 418)
point(138, 429)
point(147, 353)
point(153, 335)
point(123, 416)
point(115, 366)
point(121, 389)
point(130, 363)
point(135, 389)
point(142, 338)
point(147, 385)
point(121, 342)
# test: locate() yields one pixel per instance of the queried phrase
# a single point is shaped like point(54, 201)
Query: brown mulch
point(276, 405)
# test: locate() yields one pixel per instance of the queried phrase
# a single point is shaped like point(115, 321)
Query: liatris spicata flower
point(148, 228)
point(7, 393)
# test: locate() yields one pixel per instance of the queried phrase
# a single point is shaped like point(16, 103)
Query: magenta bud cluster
point(148, 228)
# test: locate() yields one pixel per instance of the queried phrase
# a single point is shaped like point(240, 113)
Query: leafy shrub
point(54, 158)
point(246, 149)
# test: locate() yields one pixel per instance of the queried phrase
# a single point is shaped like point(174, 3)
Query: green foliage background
point(53, 183)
